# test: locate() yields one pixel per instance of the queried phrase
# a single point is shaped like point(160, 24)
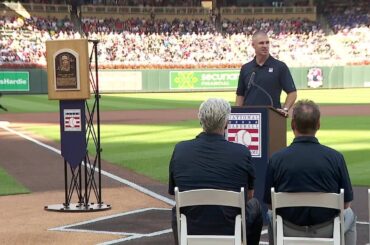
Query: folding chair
point(211, 197)
point(307, 199)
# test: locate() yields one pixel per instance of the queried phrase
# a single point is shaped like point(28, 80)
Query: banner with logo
point(193, 80)
point(245, 129)
point(14, 81)
point(73, 131)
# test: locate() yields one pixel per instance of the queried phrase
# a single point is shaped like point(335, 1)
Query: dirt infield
point(23, 220)
point(162, 116)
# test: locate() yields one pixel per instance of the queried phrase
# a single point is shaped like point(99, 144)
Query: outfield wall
point(34, 81)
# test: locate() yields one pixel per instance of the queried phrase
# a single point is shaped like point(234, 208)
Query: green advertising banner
point(191, 80)
point(14, 81)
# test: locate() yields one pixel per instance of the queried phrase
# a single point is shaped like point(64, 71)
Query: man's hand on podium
point(283, 111)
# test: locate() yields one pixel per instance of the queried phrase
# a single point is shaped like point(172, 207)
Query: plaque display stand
point(84, 179)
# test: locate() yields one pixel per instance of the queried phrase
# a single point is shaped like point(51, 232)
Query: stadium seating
point(143, 42)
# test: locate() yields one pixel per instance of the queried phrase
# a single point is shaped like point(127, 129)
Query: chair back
point(210, 197)
point(307, 199)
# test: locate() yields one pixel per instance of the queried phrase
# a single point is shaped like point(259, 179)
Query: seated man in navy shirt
point(308, 166)
point(210, 161)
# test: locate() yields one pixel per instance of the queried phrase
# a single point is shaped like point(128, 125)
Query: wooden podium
point(263, 130)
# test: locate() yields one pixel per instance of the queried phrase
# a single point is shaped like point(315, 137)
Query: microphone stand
point(251, 79)
point(263, 90)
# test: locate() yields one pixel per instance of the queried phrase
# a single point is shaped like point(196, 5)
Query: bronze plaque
point(66, 72)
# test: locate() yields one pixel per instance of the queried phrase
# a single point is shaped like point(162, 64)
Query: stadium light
point(206, 4)
point(18, 8)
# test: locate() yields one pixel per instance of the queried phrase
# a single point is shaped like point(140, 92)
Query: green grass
point(29, 103)
point(336, 96)
point(147, 148)
point(143, 148)
point(132, 101)
point(9, 186)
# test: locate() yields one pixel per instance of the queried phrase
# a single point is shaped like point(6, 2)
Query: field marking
point(68, 227)
point(129, 235)
point(108, 217)
point(107, 174)
point(4, 125)
point(137, 236)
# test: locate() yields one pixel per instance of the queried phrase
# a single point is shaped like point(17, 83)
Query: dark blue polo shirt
point(210, 161)
point(273, 76)
point(307, 166)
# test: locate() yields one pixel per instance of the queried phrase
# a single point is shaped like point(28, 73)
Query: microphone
point(251, 79)
point(252, 83)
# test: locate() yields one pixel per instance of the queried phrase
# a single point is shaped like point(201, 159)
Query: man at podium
point(262, 80)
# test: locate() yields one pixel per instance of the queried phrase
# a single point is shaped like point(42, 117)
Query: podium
point(263, 130)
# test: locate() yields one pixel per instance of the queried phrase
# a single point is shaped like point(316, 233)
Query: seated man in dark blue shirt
point(308, 166)
point(210, 161)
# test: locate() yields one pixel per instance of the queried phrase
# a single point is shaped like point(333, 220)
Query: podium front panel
point(255, 127)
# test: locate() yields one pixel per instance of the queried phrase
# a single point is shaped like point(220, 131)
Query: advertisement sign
point(315, 78)
point(218, 79)
point(14, 81)
point(120, 81)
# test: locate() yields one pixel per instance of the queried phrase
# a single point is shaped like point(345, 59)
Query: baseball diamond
point(140, 206)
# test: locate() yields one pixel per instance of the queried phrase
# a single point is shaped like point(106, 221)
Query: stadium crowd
point(158, 43)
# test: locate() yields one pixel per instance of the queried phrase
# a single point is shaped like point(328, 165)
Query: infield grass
point(9, 186)
point(147, 149)
point(138, 101)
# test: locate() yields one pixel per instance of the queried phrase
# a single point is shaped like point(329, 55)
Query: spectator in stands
point(210, 161)
point(262, 79)
point(308, 166)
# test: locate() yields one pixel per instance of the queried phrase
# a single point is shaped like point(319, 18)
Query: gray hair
point(213, 114)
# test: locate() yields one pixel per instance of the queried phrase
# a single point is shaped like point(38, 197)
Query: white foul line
point(3, 125)
point(137, 187)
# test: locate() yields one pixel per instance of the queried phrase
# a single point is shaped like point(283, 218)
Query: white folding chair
point(307, 199)
point(211, 197)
